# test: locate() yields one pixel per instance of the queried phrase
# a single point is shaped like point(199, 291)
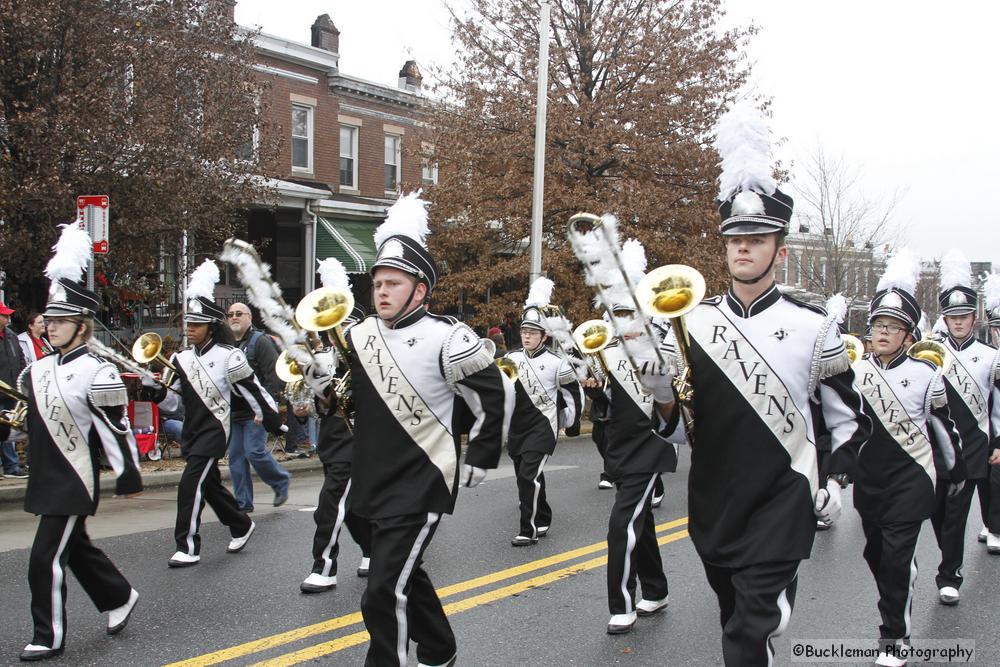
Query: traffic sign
point(92, 213)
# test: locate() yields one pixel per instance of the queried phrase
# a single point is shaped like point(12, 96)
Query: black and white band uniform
point(333, 508)
point(755, 490)
point(76, 409)
point(208, 375)
point(637, 452)
point(914, 442)
point(974, 400)
point(548, 397)
point(410, 370)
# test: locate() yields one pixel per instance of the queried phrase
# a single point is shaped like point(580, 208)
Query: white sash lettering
point(207, 390)
point(536, 391)
point(968, 388)
point(59, 421)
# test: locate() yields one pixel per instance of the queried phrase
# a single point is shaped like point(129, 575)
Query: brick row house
point(351, 145)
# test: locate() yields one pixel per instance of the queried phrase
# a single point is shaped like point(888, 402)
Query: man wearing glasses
point(248, 443)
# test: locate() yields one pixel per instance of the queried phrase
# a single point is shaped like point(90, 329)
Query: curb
point(155, 480)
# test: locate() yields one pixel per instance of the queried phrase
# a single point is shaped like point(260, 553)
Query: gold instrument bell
point(324, 308)
point(592, 336)
point(286, 368)
point(149, 347)
point(855, 348)
point(932, 351)
point(671, 291)
point(15, 416)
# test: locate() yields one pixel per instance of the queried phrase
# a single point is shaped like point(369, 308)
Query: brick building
point(351, 145)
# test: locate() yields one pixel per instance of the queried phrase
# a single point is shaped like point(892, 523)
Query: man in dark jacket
point(11, 365)
point(248, 443)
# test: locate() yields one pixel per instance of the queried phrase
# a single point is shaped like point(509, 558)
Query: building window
point(302, 133)
point(348, 157)
point(429, 173)
point(392, 162)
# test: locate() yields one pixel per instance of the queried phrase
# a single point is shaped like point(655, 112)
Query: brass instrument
point(148, 348)
point(508, 367)
point(591, 337)
point(575, 234)
point(855, 348)
point(671, 292)
point(568, 345)
point(17, 415)
point(932, 351)
point(323, 309)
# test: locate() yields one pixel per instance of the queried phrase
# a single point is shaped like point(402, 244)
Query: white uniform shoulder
point(463, 354)
point(237, 366)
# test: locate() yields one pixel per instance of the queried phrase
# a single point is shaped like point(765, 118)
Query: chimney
point(325, 35)
point(410, 78)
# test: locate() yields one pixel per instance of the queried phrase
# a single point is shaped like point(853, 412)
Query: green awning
point(349, 241)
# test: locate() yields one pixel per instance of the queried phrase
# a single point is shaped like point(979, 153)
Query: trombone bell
point(286, 368)
point(670, 291)
point(324, 308)
point(147, 347)
point(592, 336)
point(932, 351)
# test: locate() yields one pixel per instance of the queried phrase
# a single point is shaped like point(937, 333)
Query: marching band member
point(410, 370)
point(333, 509)
point(208, 374)
point(636, 455)
point(973, 381)
point(757, 358)
point(991, 517)
point(76, 410)
point(545, 382)
point(895, 474)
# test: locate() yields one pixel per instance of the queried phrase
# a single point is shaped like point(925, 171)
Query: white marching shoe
point(886, 660)
point(948, 595)
point(650, 607)
point(237, 543)
point(450, 662)
point(657, 501)
point(317, 583)
point(983, 533)
point(621, 623)
point(181, 559)
point(118, 618)
point(364, 566)
point(993, 543)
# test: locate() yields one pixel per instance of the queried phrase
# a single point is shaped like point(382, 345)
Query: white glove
point(954, 488)
point(658, 380)
point(317, 377)
point(471, 475)
point(148, 382)
point(827, 502)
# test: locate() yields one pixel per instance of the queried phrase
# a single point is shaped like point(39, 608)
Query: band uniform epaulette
point(448, 319)
point(803, 304)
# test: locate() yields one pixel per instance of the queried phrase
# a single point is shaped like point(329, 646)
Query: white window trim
point(310, 117)
point(399, 162)
point(355, 150)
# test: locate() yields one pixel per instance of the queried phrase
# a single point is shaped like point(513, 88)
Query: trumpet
point(671, 292)
point(16, 416)
point(932, 351)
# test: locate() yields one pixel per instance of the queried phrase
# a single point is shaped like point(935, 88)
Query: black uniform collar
point(201, 351)
point(538, 351)
point(759, 305)
point(73, 354)
point(968, 342)
point(900, 357)
point(409, 319)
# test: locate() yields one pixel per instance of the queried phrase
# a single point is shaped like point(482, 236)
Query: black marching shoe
point(33, 652)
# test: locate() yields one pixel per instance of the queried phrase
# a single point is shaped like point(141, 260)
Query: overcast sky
point(906, 92)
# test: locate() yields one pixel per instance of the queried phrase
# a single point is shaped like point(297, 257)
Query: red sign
point(92, 213)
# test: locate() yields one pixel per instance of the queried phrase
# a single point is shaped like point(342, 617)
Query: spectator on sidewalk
point(33, 345)
point(248, 443)
point(496, 335)
point(11, 364)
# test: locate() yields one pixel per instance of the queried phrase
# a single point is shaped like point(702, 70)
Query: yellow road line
point(348, 641)
point(288, 636)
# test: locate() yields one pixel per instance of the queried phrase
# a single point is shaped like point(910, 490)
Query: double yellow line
point(356, 638)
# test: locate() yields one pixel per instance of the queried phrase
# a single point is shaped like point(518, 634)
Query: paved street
point(543, 605)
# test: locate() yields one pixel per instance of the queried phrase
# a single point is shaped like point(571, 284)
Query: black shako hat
point(402, 240)
point(200, 295)
point(750, 212)
point(958, 300)
point(896, 302)
point(71, 298)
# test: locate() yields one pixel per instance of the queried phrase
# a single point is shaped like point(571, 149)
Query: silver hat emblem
point(957, 298)
point(194, 306)
point(748, 202)
point(391, 248)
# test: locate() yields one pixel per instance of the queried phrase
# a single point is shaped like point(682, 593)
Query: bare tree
point(840, 234)
point(636, 87)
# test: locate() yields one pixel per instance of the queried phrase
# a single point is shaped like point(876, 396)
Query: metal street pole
point(539, 181)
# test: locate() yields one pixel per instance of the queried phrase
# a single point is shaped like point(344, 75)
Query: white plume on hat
point(72, 253)
point(407, 217)
point(742, 140)
point(203, 281)
point(991, 288)
point(836, 307)
point(955, 270)
point(540, 293)
point(333, 274)
point(900, 272)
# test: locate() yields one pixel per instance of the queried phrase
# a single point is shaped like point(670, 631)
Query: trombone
point(671, 292)
point(325, 309)
point(932, 351)
point(568, 344)
point(16, 416)
point(590, 338)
